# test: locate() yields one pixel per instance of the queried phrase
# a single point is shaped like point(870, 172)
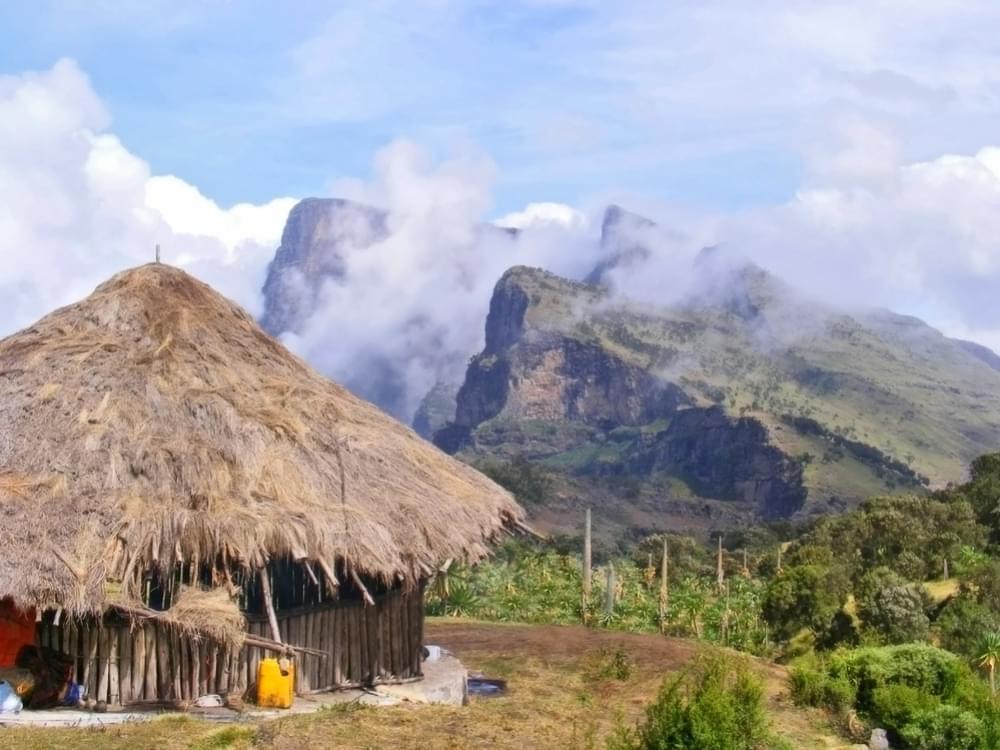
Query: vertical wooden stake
point(609, 593)
point(272, 617)
point(585, 594)
point(746, 564)
point(114, 674)
point(720, 575)
point(664, 585)
point(780, 550)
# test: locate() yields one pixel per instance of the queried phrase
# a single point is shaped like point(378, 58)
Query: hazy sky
point(849, 146)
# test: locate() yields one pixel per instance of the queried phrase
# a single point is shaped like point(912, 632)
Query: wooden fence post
point(664, 586)
point(720, 574)
point(609, 593)
point(585, 594)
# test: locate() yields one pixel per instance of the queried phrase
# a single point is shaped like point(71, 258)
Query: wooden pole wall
point(122, 663)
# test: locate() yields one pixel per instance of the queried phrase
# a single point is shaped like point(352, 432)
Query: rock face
point(745, 399)
point(552, 377)
point(624, 242)
point(541, 375)
point(317, 236)
point(436, 410)
point(720, 456)
point(527, 374)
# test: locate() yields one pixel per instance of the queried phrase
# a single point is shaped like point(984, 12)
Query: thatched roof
point(154, 422)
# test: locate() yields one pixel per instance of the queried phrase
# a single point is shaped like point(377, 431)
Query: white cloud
point(545, 214)
point(410, 310)
point(76, 206)
point(923, 238)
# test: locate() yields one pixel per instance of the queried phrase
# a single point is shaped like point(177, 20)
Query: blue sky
point(850, 146)
point(252, 100)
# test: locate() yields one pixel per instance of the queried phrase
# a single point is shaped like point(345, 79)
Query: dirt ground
point(565, 691)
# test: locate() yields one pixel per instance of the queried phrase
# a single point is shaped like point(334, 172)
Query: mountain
point(318, 235)
point(742, 401)
point(623, 243)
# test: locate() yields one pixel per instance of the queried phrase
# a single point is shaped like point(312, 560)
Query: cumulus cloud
point(76, 206)
point(546, 214)
point(924, 239)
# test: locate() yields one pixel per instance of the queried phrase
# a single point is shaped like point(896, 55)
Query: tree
point(891, 608)
point(988, 657)
point(962, 623)
point(804, 596)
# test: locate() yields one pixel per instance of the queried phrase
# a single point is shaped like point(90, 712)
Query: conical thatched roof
point(154, 422)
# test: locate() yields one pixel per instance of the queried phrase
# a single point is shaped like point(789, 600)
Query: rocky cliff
point(318, 235)
point(744, 401)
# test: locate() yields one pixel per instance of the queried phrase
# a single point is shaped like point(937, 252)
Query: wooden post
point(609, 593)
point(150, 678)
point(780, 550)
point(585, 595)
point(720, 574)
point(746, 563)
point(71, 650)
point(104, 663)
point(946, 572)
point(664, 586)
point(90, 639)
point(114, 668)
point(265, 587)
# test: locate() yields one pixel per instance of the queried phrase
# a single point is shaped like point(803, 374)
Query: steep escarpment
point(740, 400)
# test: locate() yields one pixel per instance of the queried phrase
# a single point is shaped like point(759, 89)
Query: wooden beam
point(265, 587)
point(369, 602)
point(331, 580)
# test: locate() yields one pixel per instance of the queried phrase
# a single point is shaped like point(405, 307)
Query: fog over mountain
point(397, 305)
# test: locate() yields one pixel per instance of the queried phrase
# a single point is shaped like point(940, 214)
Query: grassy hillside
point(861, 404)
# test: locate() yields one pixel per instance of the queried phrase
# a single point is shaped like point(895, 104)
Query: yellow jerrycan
point(275, 683)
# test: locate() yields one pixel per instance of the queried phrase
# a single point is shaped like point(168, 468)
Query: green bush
point(804, 596)
point(813, 687)
point(717, 705)
point(962, 623)
point(926, 668)
point(891, 609)
point(896, 706)
point(945, 728)
point(925, 697)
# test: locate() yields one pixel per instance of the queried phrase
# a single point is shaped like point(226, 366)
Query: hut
point(181, 496)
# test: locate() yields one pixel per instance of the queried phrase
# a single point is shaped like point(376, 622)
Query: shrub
point(896, 706)
point(717, 705)
point(814, 687)
point(945, 728)
point(962, 623)
point(926, 668)
point(891, 609)
point(805, 596)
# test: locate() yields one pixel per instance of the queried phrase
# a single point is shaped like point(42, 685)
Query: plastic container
point(275, 683)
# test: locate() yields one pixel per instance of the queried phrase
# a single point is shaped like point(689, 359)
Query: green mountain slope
point(744, 402)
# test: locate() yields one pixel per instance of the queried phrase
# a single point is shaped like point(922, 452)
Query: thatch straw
point(155, 423)
point(198, 613)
